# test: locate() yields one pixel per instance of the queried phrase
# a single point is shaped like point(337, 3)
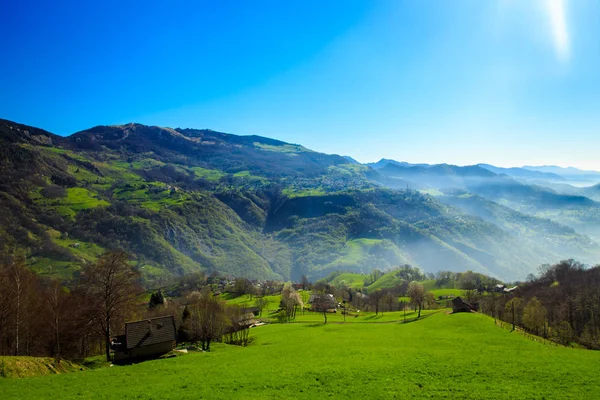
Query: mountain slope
point(182, 200)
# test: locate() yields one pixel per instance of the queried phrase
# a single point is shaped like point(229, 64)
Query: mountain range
point(183, 200)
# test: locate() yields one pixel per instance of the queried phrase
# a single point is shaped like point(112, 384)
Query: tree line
point(562, 304)
point(39, 316)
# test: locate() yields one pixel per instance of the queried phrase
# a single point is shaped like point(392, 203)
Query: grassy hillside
point(25, 367)
point(443, 356)
point(349, 279)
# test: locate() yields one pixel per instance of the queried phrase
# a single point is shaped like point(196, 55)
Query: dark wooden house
point(145, 339)
point(459, 305)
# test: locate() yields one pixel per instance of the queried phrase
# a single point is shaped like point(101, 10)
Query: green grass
point(208, 174)
point(25, 367)
point(360, 317)
point(350, 280)
point(75, 200)
point(153, 195)
point(462, 356)
point(286, 148)
point(244, 300)
point(388, 280)
point(293, 192)
point(58, 269)
point(87, 251)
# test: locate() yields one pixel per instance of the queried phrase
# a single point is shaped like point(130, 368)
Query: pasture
point(460, 356)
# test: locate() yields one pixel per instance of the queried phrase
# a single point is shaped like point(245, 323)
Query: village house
point(145, 339)
point(322, 302)
point(459, 305)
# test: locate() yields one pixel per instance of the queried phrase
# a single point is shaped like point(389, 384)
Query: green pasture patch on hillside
point(119, 171)
point(151, 195)
point(357, 168)
point(355, 250)
point(82, 174)
point(286, 148)
point(70, 153)
point(150, 272)
point(388, 280)
point(293, 192)
point(350, 280)
point(57, 269)
point(208, 174)
point(76, 199)
point(87, 251)
point(456, 356)
point(364, 254)
point(247, 175)
point(146, 163)
point(244, 301)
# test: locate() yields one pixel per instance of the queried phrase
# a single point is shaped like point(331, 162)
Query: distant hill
point(386, 161)
point(569, 171)
point(571, 175)
point(574, 210)
point(523, 173)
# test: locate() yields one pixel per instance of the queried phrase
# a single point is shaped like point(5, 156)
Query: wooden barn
point(145, 339)
point(459, 305)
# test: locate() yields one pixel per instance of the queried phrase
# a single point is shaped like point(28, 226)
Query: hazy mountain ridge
point(184, 199)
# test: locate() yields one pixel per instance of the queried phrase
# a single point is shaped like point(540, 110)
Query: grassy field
point(462, 356)
point(349, 279)
point(244, 300)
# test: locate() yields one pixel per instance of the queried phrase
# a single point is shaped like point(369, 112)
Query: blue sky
point(508, 82)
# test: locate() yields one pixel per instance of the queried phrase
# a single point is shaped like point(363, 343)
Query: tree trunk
point(513, 316)
point(107, 337)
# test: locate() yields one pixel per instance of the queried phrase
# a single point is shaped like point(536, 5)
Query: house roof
point(321, 297)
point(150, 331)
point(457, 301)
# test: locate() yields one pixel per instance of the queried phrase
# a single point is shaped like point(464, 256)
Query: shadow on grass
point(372, 317)
point(415, 319)
point(314, 325)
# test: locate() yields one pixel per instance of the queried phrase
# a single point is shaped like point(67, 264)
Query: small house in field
point(459, 305)
point(145, 339)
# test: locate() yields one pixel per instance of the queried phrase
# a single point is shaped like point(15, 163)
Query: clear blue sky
point(509, 82)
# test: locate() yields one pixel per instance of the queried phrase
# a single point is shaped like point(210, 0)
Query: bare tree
point(208, 318)
point(513, 308)
point(261, 303)
point(390, 300)
point(416, 292)
point(376, 298)
point(112, 288)
point(320, 302)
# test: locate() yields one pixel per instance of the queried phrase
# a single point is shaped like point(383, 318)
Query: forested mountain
point(181, 200)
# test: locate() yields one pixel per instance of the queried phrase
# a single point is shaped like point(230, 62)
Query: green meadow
point(441, 356)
